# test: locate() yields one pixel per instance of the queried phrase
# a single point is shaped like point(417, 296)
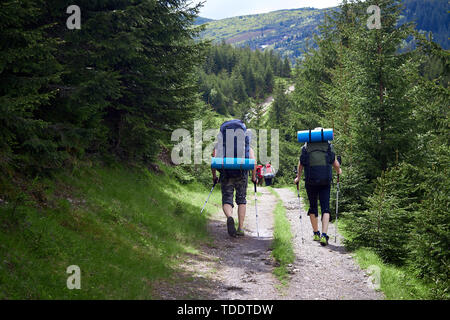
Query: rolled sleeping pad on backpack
point(315, 135)
point(233, 163)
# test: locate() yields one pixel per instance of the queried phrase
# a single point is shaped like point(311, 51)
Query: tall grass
point(124, 228)
point(397, 283)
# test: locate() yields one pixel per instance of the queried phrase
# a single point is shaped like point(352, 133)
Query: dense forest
point(231, 76)
point(392, 129)
point(115, 88)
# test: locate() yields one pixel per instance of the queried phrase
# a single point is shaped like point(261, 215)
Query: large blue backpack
point(244, 152)
point(317, 159)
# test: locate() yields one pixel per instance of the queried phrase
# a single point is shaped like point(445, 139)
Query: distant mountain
point(430, 15)
point(289, 31)
point(201, 20)
point(286, 31)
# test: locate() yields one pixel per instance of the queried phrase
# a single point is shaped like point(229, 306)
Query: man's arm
point(214, 171)
point(337, 167)
point(336, 164)
point(299, 173)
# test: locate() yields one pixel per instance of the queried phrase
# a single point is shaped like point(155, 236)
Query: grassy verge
point(395, 282)
point(282, 248)
point(124, 228)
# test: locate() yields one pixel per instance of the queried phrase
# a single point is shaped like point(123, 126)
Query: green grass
point(282, 247)
point(396, 283)
point(125, 228)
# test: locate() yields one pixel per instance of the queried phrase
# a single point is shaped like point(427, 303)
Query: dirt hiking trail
point(242, 268)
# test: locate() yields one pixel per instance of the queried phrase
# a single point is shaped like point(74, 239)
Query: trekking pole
point(299, 207)
point(215, 182)
point(337, 202)
point(300, 210)
point(256, 210)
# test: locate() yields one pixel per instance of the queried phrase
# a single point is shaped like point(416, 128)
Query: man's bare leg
point(314, 222)
point(228, 210)
point(242, 208)
point(231, 228)
point(325, 222)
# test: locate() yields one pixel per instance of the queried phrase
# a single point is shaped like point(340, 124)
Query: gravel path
point(246, 265)
point(242, 268)
point(322, 272)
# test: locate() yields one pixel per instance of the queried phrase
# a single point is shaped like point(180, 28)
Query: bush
point(430, 241)
point(387, 223)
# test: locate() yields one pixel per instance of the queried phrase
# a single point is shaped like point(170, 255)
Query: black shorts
point(229, 184)
point(321, 192)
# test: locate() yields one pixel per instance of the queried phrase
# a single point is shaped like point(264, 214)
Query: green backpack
point(317, 159)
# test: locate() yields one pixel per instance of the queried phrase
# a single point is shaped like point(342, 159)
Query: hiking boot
point(240, 233)
point(324, 240)
point(231, 227)
point(316, 236)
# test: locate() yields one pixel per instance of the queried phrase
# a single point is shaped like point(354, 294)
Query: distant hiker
point(318, 158)
point(269, 174)
point(231, 180)
point(259, 174)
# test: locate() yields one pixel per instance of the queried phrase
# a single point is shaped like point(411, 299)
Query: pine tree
point(430, 240)
point(286, 68)
point(28, 71)
point(380, 81)
point(279, 112)
point(269, 80)
point(131, 73)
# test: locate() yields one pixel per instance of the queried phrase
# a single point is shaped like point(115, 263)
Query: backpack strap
point(331, 154)
point(304, 161)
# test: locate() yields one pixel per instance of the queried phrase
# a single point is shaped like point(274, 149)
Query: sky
point(219, 9)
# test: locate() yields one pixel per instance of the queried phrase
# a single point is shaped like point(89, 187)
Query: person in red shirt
point(269, 174)
point(259, 175)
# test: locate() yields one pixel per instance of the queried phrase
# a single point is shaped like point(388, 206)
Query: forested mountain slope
point(231, 79)
point(286, 31)
point(289, 31)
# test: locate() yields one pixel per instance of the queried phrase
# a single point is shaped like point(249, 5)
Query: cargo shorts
point(229, 185)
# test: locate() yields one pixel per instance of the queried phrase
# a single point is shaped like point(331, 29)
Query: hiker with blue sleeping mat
point(317, 160)
point(234, 158)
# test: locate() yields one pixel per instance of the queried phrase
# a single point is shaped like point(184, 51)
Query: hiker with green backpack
point(234, 144)
point(317, 160)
